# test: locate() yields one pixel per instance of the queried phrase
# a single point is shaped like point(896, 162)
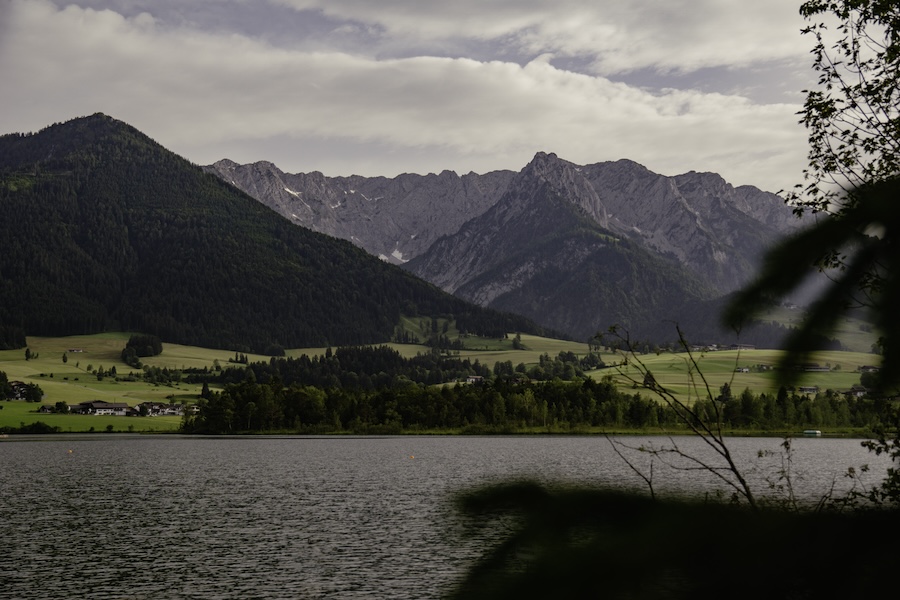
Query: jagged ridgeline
point(104, 229)
point(576, 248)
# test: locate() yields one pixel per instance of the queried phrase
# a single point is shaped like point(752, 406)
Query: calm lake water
point(160, 517)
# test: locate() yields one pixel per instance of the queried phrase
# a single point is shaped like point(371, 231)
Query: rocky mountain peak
point(564, 178)
point(225, 163)
point(461, 232)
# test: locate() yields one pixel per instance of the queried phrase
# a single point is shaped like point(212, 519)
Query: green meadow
point(16, 413)
point(675, 372)
point(854, 334)
point(73, 382)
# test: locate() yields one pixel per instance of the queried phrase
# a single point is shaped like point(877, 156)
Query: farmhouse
point(157, 409)
point(857, 391)
point(19, 390)
point(101, 407)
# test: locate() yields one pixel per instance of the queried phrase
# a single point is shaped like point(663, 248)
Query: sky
point(383, 87)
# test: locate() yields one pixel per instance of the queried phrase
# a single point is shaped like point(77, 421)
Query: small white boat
point(812, 433)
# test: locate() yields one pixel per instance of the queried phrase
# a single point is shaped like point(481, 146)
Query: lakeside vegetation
point(515, 384)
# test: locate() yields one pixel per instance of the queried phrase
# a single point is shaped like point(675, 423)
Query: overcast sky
point(382, 87)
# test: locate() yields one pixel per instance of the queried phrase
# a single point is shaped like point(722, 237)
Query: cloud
point(202, 92)
point(676, 35)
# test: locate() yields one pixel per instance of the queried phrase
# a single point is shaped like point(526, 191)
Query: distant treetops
point(140, 346)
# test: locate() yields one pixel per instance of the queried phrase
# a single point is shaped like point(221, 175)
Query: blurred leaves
point(581, 542)
point(861, 244)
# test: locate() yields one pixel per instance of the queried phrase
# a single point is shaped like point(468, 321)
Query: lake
point(174, 517)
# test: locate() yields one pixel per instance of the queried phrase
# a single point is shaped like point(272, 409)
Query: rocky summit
point(576, 247)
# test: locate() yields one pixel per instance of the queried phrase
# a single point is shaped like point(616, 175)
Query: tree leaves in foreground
point(559, 542)
point(853, 115)
point(853, 123)
point(866, 235)
point(584, 543)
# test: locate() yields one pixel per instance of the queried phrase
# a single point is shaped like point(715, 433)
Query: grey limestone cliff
point(529, 242)
point(394, 218)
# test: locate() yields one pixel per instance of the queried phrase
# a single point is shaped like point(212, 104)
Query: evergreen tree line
point(138, 346)
point(144, 345)
point(501, 406)
point(11, 338)
point(376, 367)
point(352, 367)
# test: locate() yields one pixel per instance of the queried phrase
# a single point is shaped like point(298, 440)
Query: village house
point(101, 407)
point(157, 409)
point(19, 390)
point(857, 391)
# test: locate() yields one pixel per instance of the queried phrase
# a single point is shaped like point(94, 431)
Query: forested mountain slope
point(104, 229)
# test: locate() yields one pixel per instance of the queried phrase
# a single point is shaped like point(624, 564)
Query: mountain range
point(104, 229)
point(577, 248)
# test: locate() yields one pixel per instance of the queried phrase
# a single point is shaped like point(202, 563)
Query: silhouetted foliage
point(584, 543)
point(853, 115)
point(558, 542)
point(853, 122)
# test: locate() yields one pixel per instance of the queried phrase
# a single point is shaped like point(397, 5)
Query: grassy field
point(15, 413)
point(487, 350)
point(672, 371)
point(490, 351)
point(73, 382)
point(855, 335)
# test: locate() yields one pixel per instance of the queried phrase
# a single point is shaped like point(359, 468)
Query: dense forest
point(103, 229)
point(375, 390)
point(11, 337)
